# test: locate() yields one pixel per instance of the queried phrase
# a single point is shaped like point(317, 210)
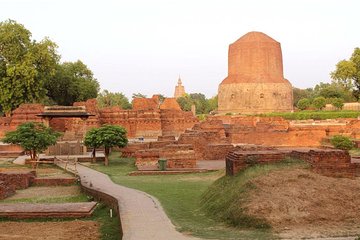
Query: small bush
point(303, 104)
point(319, 103)
point(338, 103)
point(342, 142)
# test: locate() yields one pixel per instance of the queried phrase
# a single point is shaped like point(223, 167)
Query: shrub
point(342, 142)
point(303, 104)
point(319, 103)
point(338, 103)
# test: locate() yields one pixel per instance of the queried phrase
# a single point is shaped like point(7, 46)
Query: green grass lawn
point(312, 114)
point(180, 195)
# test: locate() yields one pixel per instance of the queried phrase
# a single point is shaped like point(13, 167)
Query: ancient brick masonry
point(10, 181)
point(6, 190)
point(20, 180)
point(177, 156)
point(255, 81)
point(191, 146)
point(327, 162)
point(149, 118)
point(276, 131)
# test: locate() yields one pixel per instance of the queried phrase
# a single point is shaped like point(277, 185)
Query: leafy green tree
point(319, 103)
point(338, 103)
point(108, 136)
point(25, 65)
point(109, 99)
point(303, 104)
point(32, 137)
point(73, 82)
point(91, 140)
point(333, 90)
point(138, 95)
point(213, 103)
point(347, 73)
point(299, 93)
point(202, 104)
point(185, 102)
point(342, 142)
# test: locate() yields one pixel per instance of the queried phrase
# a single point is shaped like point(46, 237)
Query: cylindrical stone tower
point(255, 81)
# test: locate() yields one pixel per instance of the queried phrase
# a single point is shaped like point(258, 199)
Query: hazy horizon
point(143, 46)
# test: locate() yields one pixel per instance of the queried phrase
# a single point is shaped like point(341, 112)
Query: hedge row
point(316, 115)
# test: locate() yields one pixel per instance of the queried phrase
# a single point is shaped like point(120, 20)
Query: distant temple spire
point(179, 89)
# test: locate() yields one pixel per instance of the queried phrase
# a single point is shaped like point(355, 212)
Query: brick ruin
point(11, 181)
point(327, 162)
point(255, 81)
point(214, 140)
point(148, 119)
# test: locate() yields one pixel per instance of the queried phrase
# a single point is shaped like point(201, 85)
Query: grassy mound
point(226, 198)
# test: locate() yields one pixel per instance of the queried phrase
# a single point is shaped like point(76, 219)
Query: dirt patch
point(80, 230)
point(298, 201)
point(43, 192)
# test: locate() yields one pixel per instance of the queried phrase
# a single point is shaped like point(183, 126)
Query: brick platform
point(53, 210)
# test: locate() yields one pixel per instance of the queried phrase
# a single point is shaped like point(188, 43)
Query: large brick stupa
point(255, 81)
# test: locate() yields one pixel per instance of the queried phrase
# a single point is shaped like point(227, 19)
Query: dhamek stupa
point(255, 81)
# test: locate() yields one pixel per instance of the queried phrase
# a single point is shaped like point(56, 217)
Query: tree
point(299, 93)
point(338, 103)
point(347, 73)
point(138, 95)
point(92, 140)
point(319, 103)
point(109, 99)
point(24, 65)
point(333, 90)
point(108, 136)
point(202, 104)
point(303, 104)
point(213, 103)
point(32, 137)
point(73, 82)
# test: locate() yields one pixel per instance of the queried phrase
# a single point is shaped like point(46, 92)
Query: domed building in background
point(255, 81)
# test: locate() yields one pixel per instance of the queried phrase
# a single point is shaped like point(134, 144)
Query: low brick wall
point(217, 151)
point(327, 162)
point(240, 160)
point(166, 138)
point(6, 190)
point(132, 148)
point(332, 163)
point(177, 156)
point(18, 180)
point(105, 198)
point(54, 181)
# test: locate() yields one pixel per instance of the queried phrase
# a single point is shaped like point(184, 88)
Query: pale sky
point(142, 46)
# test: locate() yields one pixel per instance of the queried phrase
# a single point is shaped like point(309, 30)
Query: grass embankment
point(180, 195)
point(225, 198)
point(316, 115)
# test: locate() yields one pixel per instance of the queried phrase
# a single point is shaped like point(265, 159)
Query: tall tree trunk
point(94, 155)
point(107, 151)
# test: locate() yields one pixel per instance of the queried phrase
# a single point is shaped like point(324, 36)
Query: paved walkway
point(142, 217)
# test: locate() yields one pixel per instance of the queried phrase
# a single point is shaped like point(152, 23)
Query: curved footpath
point(142, 217)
